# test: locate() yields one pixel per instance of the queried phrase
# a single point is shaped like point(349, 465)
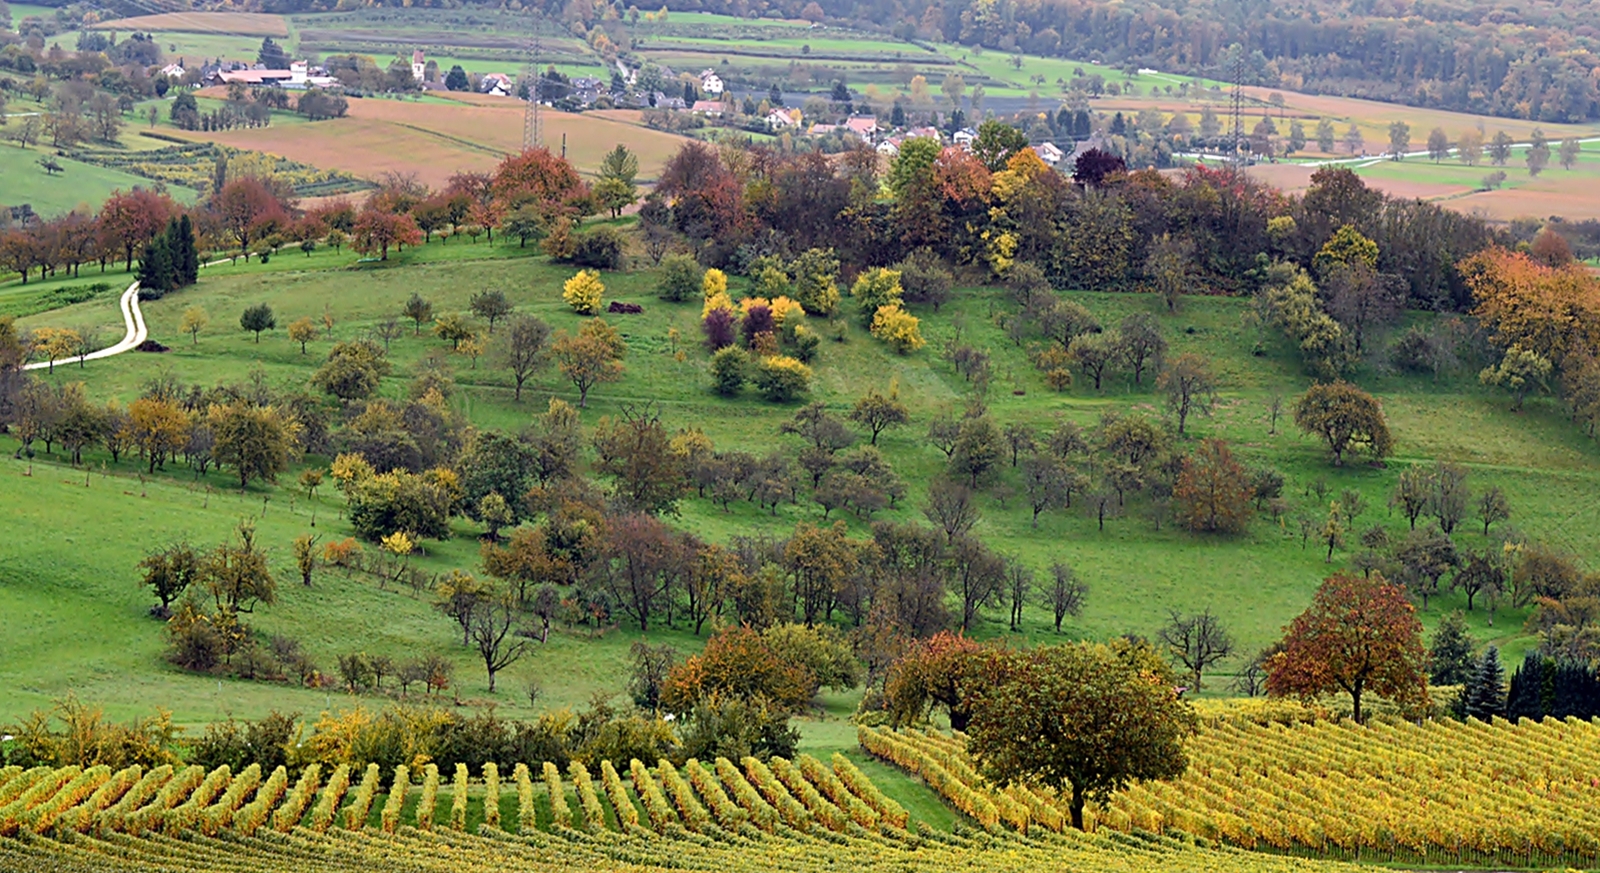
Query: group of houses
point(299, 75)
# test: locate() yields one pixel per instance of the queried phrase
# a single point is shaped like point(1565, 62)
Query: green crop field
point(1256, 582)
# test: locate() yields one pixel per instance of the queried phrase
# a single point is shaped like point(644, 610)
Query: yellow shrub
point(714, 283)
point(898, 328)
point(719, 301)
point(783, 308)
point(583, 291)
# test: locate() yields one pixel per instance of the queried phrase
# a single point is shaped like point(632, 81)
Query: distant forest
point(1534, 59)
point(1531, 59)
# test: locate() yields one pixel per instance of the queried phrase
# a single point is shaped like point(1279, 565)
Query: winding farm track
point(136, 334)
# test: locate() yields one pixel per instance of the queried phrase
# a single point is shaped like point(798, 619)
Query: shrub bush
point(897, 327)
point(681, 278)
point(781, 378)
point(728, 368)
point(600, 248)
point(719, 326)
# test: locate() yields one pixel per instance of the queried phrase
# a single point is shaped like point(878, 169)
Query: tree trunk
point(1077, 806)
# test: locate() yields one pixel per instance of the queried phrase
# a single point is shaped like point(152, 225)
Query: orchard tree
point(525, 348)
point(159, 428)
point(194, 321)
point(1189, 387)
point(237, 575)
point(587, 359)
point(1084, 719)
point(1141, 344)
point(737, 663)
point(1345, 418)
point(129, 220)
point(1359, 635)
point(878, 413)
point(1063, 592)
point(635, 451)
point(353, 371)
point(258, 442)
point(491, 306)
point(1213, 490)
point(1492, 507)
point(169, 572)
point(452, 328)
point(489, 625)
point(939, 671)
point(418, 310)
point(1521, 372)
point(302, 331)
point(377, 230)
point(258, 318)
point(1196, 641)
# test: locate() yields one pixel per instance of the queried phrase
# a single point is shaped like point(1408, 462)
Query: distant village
point(705, 97)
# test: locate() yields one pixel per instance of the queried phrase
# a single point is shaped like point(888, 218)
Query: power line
point(1237, 109)
point(532, 122)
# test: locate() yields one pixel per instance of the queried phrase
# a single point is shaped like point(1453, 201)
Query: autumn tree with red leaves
point(377, 230)
point(130, 219)
point(246, 208)
point(1213, 490)
point(1359, 635)
point(536, 176)
point(942, 670)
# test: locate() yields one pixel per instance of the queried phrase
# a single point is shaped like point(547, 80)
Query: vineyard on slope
point(1469, 793)
point(802, 815)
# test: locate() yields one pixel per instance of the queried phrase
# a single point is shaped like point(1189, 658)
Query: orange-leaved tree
point(1551, 311)
point(738, 663)
point(536, 176)
point(940, 670)
point(1359, 635)
point(1213, 490)
point(376, 231)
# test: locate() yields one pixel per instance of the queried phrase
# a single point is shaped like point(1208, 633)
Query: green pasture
point(1451, 171)
point(1256, 581)
point(196, 48)
point(78, 185)
point(20, 11)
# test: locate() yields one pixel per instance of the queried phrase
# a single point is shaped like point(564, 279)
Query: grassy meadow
point(78, 185)
point(78, 617)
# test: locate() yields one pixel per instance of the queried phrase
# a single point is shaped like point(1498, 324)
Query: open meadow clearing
point(77, 185)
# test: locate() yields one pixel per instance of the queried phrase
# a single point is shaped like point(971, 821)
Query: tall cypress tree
point(156, 273)
point(186, 260)
point(1526, 698)
point(1483, 694)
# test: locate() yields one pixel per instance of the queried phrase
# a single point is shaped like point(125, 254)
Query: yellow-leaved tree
point(583, 292)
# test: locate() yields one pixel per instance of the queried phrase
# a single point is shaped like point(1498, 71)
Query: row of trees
point(999, 208)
